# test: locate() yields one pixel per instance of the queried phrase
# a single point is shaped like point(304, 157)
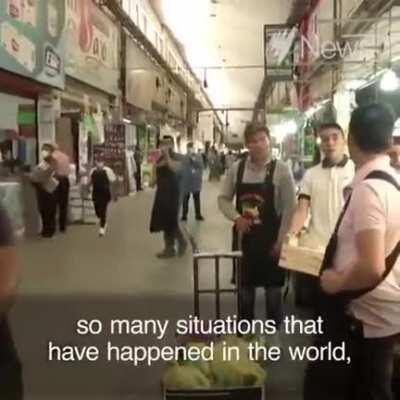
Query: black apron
point(339, 325)
point(259, 268)
point(166, 205)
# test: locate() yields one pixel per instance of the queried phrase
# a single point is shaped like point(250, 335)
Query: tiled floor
point(81, 276)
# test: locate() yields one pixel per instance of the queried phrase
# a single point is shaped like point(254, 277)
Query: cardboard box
point(301, 259)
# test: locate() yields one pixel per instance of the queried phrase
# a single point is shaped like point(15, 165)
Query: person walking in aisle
point(265, 199)
point(63, 170)
point(229, 160)
point(138, 174)
point(193, 182)
point(168, 176)
point(102, 180)
point(43, 178)
point(215, 166)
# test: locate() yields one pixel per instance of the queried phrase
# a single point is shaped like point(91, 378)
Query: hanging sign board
point(278, 51)
point(32, 39)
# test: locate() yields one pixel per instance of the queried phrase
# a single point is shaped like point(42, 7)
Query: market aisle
point(79, 275)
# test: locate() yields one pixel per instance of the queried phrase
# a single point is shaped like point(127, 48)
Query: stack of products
point(217, 373)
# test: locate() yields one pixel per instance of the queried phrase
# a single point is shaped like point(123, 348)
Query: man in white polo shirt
point(321, 199)
point(360, 296)
point(321, 194)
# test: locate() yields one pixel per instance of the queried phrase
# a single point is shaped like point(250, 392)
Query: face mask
point(45, 153)
point(100, 164)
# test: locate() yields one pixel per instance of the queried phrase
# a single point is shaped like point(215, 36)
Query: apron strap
point(239, 179)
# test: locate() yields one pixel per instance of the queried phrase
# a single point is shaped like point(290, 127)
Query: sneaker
point(200, 218)
point(167, 253)
point(184, 219)
point(102, 231)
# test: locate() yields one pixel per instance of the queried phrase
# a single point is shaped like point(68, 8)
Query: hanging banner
point(92, 46)
point(278, 51)
point(32, 39)
point(143, 79)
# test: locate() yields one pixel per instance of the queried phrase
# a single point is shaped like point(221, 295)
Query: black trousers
point(173, 235)
point(138, 178)
point(100, 207)
point(47, 205)
point(197, 205)
point(273, 303)
point(11, 386)
point(368, 376)
point(62, 194)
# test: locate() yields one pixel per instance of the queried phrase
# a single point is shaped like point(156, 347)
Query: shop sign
point(32, 39)
point(141, 78)
point(92, 46)
point(278, 50)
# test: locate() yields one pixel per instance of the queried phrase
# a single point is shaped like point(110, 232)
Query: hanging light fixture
point(390, 81)
point(205, 83)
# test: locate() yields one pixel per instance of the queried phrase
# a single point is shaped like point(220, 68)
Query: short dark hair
point(371, 127)
point(49, 146)
point(189, 145)
point(330, 125)
point(252, 129)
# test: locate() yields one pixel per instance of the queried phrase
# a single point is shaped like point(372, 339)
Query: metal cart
point(217, 291)
point(203, 260)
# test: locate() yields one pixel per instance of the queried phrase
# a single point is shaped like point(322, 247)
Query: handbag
point(50, 185)
point(43, 175)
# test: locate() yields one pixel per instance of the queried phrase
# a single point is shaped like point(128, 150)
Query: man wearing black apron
point(265, 198)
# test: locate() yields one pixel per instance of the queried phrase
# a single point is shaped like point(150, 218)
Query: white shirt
point(324, 188)
point(374, 205)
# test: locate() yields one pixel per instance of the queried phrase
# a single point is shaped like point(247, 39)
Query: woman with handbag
point(43, 177)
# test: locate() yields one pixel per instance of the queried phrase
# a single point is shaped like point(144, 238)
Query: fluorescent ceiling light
point(389, 81)
point(126, 121)
point(291, 127)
